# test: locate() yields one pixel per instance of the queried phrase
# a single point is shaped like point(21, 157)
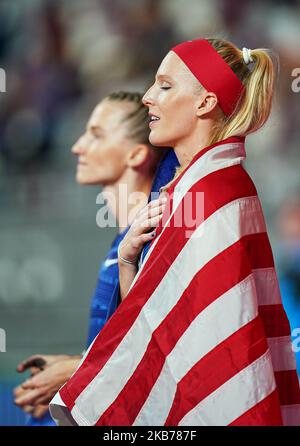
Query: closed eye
point(96, 134)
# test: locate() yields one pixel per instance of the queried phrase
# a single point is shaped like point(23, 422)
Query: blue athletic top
point(104, 302)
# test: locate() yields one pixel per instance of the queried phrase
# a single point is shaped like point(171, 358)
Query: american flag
point(202, 337)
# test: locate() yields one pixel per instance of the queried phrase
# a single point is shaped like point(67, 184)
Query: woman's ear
point(138, 155)
point(207, 103)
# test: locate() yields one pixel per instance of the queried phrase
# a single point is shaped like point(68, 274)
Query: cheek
point(184, 121)
point(180, 118)
point(99, 155)
point(179, 110)
point(115, 163)
point(111, 160)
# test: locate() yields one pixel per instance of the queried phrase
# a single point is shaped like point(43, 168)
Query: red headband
point(212, 72)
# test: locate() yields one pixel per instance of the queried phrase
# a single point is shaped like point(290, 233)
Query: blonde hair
point(254, 106)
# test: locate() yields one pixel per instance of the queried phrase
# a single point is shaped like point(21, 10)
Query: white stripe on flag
point(235, 397)
point(218, 321)
point(268, 292)
point(215, 159)
point(243, 216)
point(283, 357)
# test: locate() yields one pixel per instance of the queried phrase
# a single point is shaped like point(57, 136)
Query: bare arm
point(126, 275)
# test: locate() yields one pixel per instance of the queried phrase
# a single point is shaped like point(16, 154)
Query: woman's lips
point(153, 119)
point(152, 123)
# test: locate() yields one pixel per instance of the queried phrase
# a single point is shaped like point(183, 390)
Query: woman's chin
point(157, 140)
point(85, 180)
point(80, 180)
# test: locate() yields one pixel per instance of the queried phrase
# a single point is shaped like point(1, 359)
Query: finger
point(157, 202)
point(28, 409)
point(32, 383)
point(38, 380)
point(23, 364)
point(35, 370)
point(29, 397)
point(143, 238)
point(151, 205)
point(148, 236)
point(32, 361)
point(150, 223)
point(45, 399)
point(146, 224)
point(40, 410)
point(161, 199)
point(27, 385)
point(21, 367)
point(152, 212)
point(36, 363)
point(18, 391)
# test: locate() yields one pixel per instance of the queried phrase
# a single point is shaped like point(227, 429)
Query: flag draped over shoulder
point(202, 337)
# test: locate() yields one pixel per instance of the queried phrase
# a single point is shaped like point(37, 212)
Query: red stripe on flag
point(231, 139)
point(275, 320)
point(235, 184)
point(265, 413)
point(260, 252)
point(288, 386)
point(245, 345)
point(231, 268)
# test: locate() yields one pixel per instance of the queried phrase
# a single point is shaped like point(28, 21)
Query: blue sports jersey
point(45, 420)
point(103, 304)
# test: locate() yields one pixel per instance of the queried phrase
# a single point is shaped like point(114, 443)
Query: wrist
point(127, 266)
point(126, 261)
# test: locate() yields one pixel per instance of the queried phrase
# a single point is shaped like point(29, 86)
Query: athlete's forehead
point(173, 69)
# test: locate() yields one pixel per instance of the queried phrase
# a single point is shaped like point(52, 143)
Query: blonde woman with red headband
point(201, 337)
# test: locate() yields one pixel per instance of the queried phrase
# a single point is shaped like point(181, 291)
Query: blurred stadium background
point(60, 58)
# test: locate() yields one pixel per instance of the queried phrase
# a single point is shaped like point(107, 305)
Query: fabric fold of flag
point(202, 337)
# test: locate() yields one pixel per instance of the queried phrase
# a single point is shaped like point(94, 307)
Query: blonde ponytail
point(254, 107)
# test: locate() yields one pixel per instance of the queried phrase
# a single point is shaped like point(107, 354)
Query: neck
point(188, 147)
point(127, 196)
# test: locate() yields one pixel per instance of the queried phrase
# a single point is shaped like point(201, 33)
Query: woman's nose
point(147, 99)
point(78, 147)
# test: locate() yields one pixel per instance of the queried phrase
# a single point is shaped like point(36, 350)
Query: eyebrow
point(94, 128)
point(163, 76)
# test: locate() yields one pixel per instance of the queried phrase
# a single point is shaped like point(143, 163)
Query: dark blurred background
point(60, 58)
